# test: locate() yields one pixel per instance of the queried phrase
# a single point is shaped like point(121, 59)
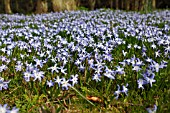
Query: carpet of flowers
point(103, 53)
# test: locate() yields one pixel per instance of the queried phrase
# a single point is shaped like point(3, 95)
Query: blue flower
point(3, 109)
point(3, 67)
point(65, 84)
point(136, 68)
point(123, 63)
point(152, 110)
point(150, 79)
point(63, 70)
point(81, 67)
point(141, 82)
point(99, 64)
point(139, 62)
point(14, 110)
point(157, 53)
point(153, 46)
point(18, 67)
point(96, 77)
point(39, 62)
point(120, 70)
point(118, 92)
point(155, 66)
point(58, 80)
point(3, 84)
point(3, 58)
point(149, 59)
point(129, 46)
point(124, 53)
point(50, 83)
point(98, 70)
point(29, 67)
point(125, 89)
point(74, 79)
point(163, 64)
point(78, 62)
point(54, 68)
point(108, 57)
point(27, 76)
point(167, 49)
point(91, 62)
point(38, 75)
point(109, 73)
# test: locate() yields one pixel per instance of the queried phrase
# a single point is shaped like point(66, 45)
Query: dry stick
point(130, 104)
point(14, 89)
point(32, 107)
point(85, 71)
point(82, 95)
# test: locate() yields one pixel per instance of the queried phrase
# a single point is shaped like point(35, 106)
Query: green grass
point(31, 97)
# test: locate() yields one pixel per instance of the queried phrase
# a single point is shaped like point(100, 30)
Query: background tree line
point(44, 6)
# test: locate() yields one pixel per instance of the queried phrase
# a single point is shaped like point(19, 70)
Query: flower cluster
point(65, 84)
point(124, 90)
point(60, 48)
point(5, 109)
point(3, 84)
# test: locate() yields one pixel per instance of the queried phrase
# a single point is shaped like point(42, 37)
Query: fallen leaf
point(94, 99)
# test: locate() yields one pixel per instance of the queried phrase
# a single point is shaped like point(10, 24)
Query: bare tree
point(77, 3)
point(61, 5)
point(136, 5)
point(148, 5)
point(98, 3)
point(7, 6)
point(117, 4)
point(127, 4)
point(122, 4)
point(141, 5)
point(111, 3)
point(42, 6)
point(57, 5)
point(132, 4)
point(92, 4)
point(71, 5)
point(153, 4)
point(30, 6)
point(16, 6)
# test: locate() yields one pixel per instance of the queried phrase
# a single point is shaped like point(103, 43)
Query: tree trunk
point(92, 4)
point(141, 5)
point(111, 4)
point(98, 3)
point(147, 6)
point(127, 5)
point(57, 5)
point(132, 2)
point(61, 5)
point(71, 5)
point(117, 4)
point(42, 6)
point(77, 3)
point(122, 4)
point(154, 4)
point(7, 6)
point(30, 6)
point(136, 5)
point(16, 5)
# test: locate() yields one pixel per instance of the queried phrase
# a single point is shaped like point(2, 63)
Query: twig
point(82, 96)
